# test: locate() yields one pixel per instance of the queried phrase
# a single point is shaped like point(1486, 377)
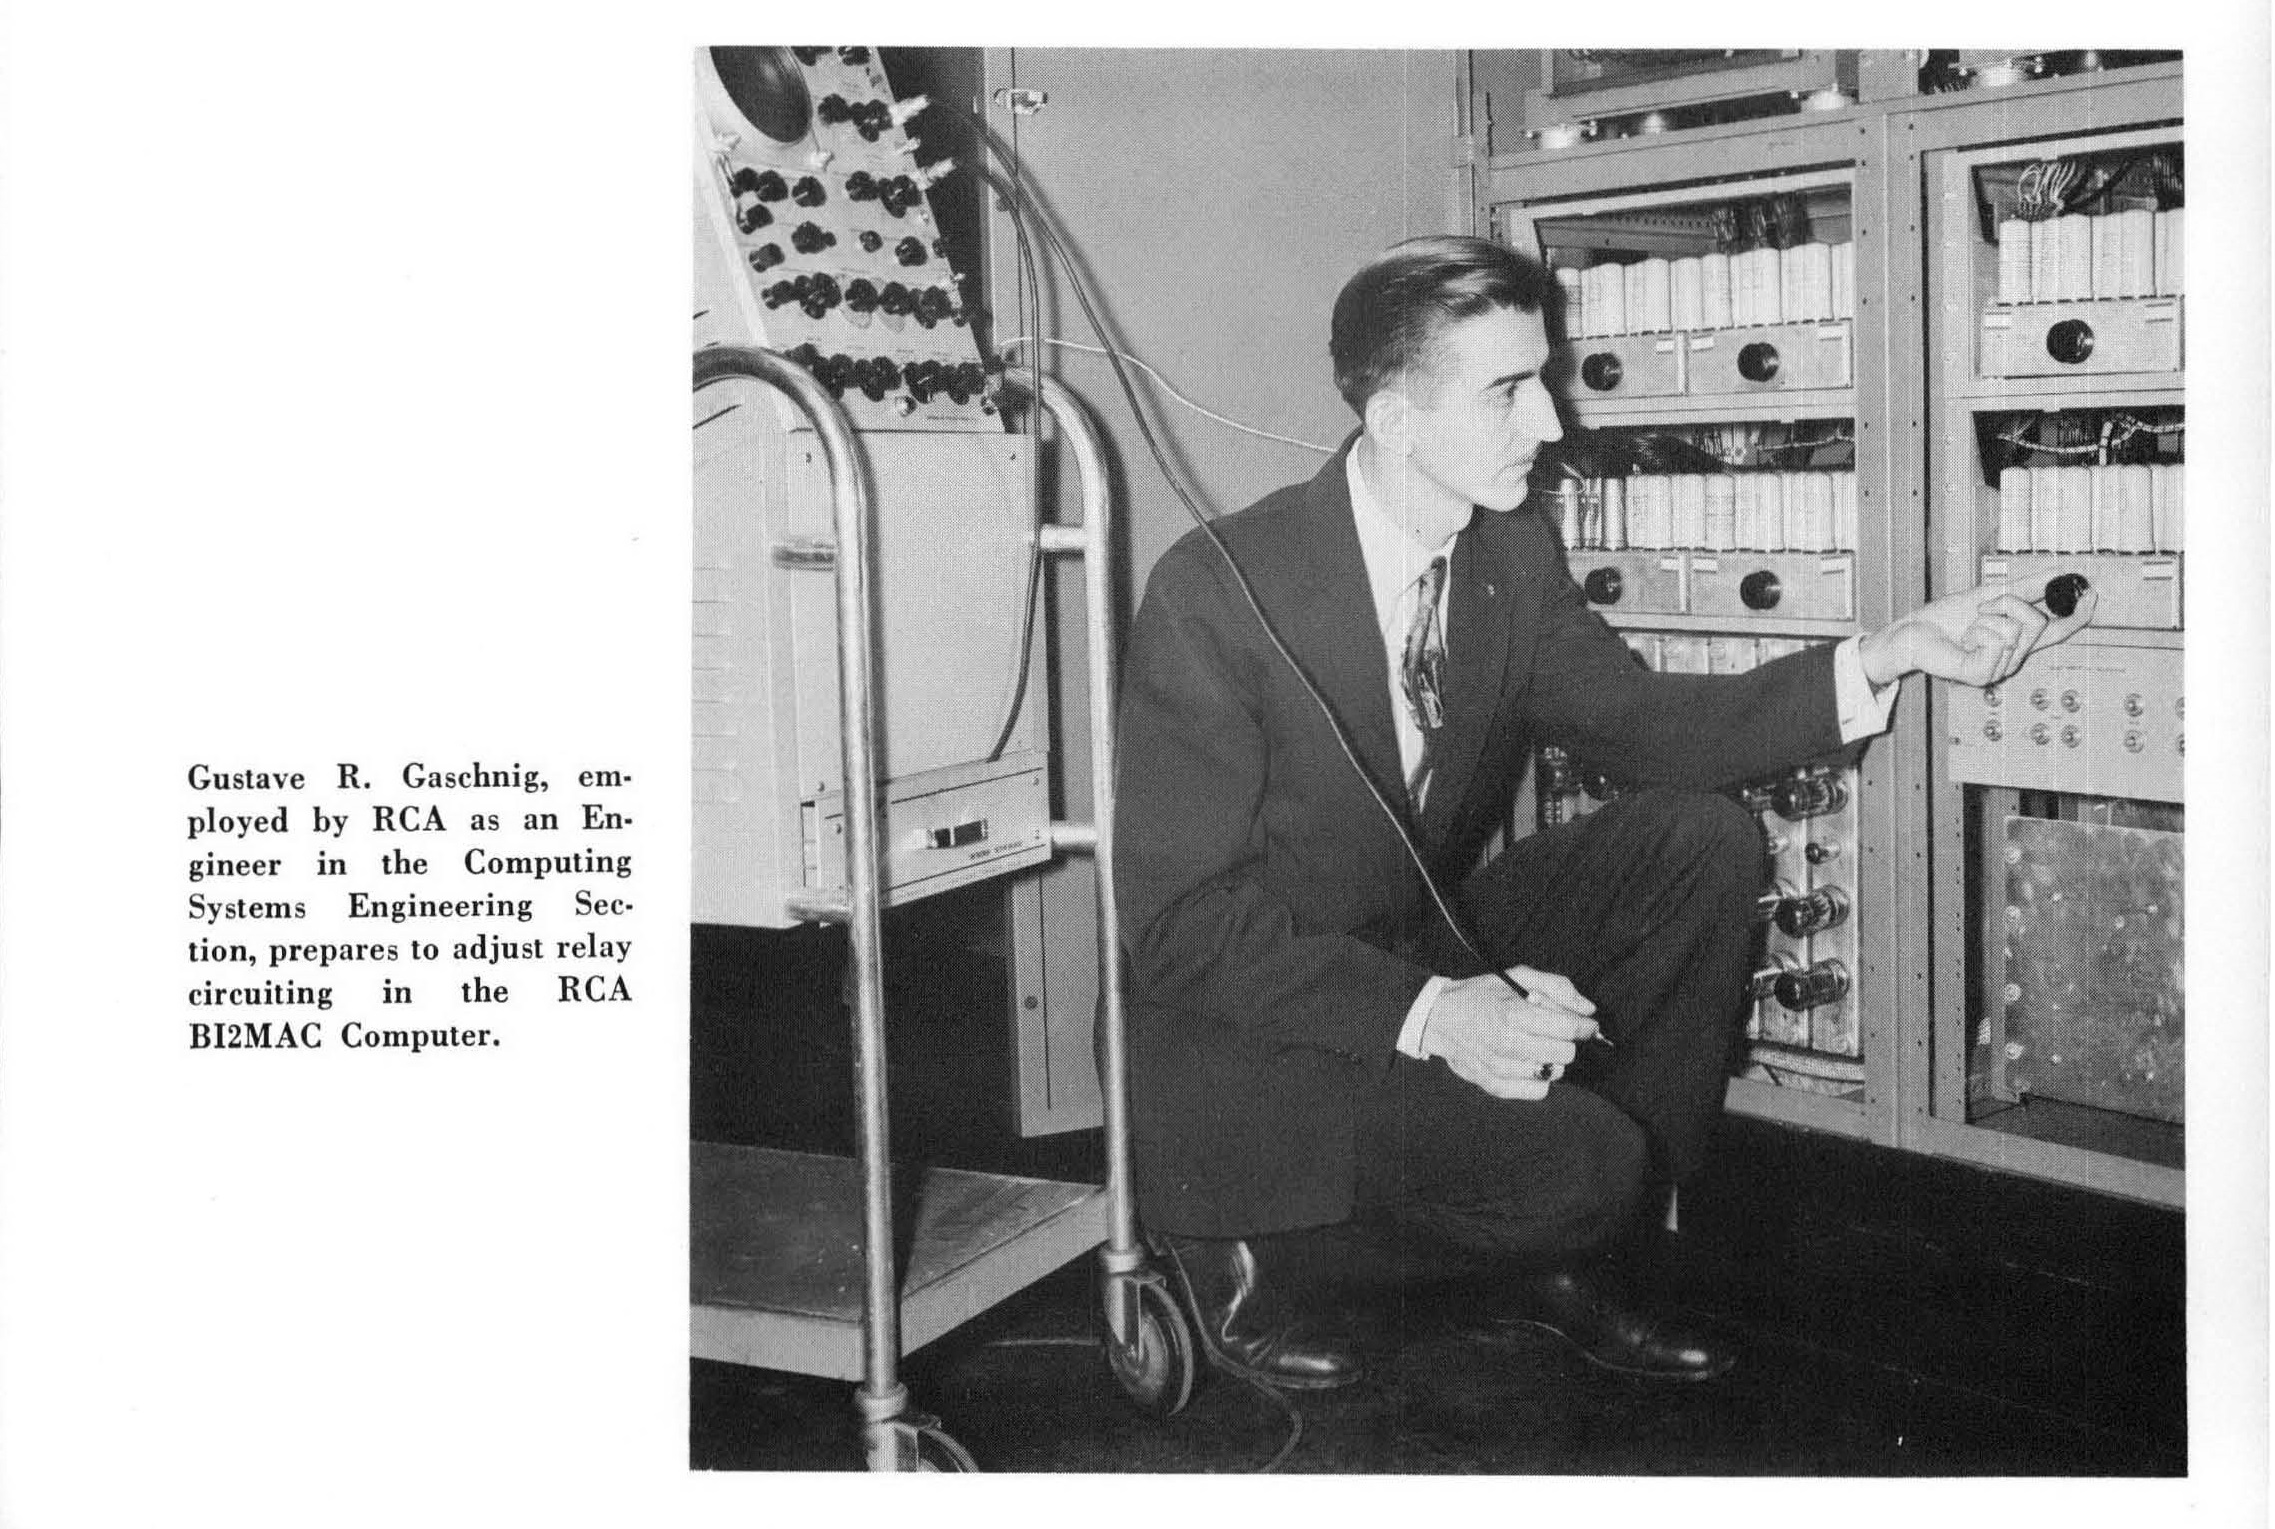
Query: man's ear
point(1390, 421)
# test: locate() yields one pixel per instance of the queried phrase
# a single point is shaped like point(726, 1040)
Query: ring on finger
point(1546, 1072)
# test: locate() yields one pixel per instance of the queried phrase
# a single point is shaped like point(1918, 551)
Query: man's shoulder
point(1276, 524)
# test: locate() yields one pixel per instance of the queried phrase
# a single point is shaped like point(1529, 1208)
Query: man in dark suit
point(1309, 1035)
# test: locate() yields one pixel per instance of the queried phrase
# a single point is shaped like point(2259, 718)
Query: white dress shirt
point(1395, 562)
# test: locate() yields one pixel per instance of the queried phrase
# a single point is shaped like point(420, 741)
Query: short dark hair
point(1390, 316)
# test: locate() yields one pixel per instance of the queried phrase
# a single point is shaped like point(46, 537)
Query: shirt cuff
point(1410, 1034)
point(1864, 706)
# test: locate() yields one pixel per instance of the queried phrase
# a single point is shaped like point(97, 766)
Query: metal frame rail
point(1147, 1346)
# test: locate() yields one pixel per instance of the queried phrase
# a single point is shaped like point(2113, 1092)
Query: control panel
point(815, 239)
point(814, 218)
point(2090, 265)
point(1757, 536)
point(2096, 721)
point(1765, 304)
point(2058, 465)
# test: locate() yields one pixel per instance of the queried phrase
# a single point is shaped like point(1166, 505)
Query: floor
point(1897, 1315)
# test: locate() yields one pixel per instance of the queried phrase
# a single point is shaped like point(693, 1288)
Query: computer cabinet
point(1803, 350)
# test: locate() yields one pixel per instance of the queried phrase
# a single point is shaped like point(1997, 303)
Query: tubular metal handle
point(856, 678)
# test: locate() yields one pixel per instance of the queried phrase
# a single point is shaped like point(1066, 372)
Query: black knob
point(854, 56)
point(821, 295)
point(1603, 586)
point(1601, 371)
point(2062, 592)
point(808, 55)
point(932, 305)
point(743, 181)
point(834, 373)
point(809, 192)
point(909, 251)
point(811, 238)
point(861, 186)
point(1758, 361)
point(833, 110)
point(896, 300)
point(1760, 590)
point(923, 379)
point(2070, 341)
point(899, 194)
point(861, 295)
point(872, 241)
point(766, 257)
point(751, 216)
point(784, 292)
point(876, 377)
point(770, 186)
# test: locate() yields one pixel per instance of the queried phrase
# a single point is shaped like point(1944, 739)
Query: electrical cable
point(1204, 412)
point(1335, 724)
point(1279, 1399)
point(1012, 204)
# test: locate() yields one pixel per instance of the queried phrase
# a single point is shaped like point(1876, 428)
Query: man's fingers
point(1553, 987)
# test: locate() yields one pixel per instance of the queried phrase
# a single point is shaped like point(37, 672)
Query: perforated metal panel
point(2093, 1001)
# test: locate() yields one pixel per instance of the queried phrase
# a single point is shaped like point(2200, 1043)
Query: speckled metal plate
point(2093, 998)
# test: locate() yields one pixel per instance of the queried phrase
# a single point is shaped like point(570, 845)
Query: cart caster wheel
point(1157, 1368)
point(936, 1451)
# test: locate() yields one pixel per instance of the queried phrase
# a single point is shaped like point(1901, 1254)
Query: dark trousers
point(1646, 905)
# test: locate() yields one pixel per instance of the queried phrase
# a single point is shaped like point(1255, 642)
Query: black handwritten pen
point(1518, 988)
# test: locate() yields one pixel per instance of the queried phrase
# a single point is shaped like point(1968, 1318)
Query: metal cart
point(792, 1261)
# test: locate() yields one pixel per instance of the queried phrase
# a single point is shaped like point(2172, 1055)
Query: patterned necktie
point(1421, 665)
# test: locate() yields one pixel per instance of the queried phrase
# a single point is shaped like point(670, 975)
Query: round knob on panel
point(2070, 341)
point(766, 257)
point(896, 299)
point(751, 216)
point(871, 241)
point(910, 251)
point(1604, 586)
point(2062, 591)
point(1758, 362)
point(811, 238)
point(861, 186)
point(832, 110)
point(861, 295)
point(770, 186)
point(1760, 590)
point(1601, 371)
point(809, 192)
point(854, 56)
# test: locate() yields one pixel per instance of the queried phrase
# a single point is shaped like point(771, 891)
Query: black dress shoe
point(1244, 1328)
point(1583, 1310)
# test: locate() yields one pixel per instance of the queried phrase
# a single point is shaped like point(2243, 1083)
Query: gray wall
point(1216, 201)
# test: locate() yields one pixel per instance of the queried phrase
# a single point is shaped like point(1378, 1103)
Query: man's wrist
point(1412, 1035)
point(1879, 654)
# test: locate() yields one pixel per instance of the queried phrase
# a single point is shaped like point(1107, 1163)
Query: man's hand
point(1977, 638)
point(1500, 1042)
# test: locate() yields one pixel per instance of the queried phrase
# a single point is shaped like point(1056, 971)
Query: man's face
point(1482, 411)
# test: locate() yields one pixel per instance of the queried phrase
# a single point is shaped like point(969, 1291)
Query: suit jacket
point(1264, 895)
